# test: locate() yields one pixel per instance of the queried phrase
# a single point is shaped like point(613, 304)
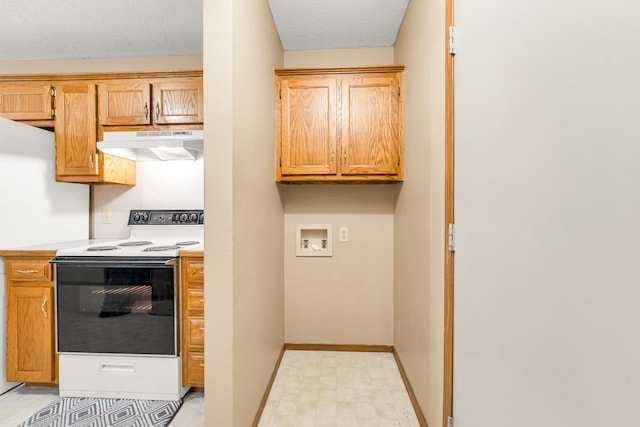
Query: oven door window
point(118, 310)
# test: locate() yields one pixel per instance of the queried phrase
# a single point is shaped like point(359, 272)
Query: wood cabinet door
point(306, 126)
point(76, 130)
point(126, 103)
point(30, 332)
point(26, 101)
point(372, 121)
point(178, 101)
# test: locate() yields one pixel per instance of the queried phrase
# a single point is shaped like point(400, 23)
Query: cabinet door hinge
point(398, 90)
point(450, 422)
point(280, 93)
point(398, 159)
point(53, 112)
point(53, 92)
point(452, 49)
point(452, 238)
point(280, 161)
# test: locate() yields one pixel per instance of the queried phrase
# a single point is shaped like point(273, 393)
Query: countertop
point(48, 249)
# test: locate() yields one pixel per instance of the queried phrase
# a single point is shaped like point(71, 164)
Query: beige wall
point(338, 57)
point(164, 63)
point(419, 211)
point(244, 282)
point(347, 298)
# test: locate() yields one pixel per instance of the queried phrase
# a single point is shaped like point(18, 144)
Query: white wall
point(159, 185)
point(547, 206)
point(347, 298)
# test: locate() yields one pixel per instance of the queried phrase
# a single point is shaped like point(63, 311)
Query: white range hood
point(154, 145)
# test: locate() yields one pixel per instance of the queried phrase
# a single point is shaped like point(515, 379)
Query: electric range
point(118, 309)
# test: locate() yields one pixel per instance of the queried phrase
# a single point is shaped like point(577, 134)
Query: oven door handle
point(114, 262)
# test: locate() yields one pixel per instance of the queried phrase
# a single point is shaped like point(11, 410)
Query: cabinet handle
point(146, 110)
point(333, 157)
point(91, 159)
point(43, 306)
point(202, 329)
point(27, 271)
point(202, 364)
point(157, 110)
point(344, 156)
point(201, 300)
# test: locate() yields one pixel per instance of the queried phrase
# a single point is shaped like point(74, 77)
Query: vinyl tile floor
point(20, 403)
point(338, 389)
point(311, 388)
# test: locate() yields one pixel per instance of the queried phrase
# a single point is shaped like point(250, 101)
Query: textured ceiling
point(79, 29)
point(337, 24)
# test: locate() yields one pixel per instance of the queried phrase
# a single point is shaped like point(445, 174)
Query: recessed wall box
point(313, 240)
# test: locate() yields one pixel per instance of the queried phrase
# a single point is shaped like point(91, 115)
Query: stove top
point(152, 233)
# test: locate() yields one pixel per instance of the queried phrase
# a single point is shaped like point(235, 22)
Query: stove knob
point(145, 217)
point(201, 219)
point(184, 217)
point(193, 218)
point(136, 217)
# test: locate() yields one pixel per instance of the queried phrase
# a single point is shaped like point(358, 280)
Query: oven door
point(116, 305)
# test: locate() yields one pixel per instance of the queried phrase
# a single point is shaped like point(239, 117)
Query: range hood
point(154, 145)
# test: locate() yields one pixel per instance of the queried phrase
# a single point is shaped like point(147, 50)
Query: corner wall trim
point(265, 397)
point(414, 402)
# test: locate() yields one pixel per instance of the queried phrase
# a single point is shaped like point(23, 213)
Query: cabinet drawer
point(196, 332)
point(194, 273)
point(195, 369)
point(195, 299)
point(37, 270)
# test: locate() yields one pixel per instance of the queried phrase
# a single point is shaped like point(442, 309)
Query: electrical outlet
point(344, 234)
point(106, 217)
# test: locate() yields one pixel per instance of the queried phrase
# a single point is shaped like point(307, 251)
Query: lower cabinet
point(192, 275)
point(30, 321)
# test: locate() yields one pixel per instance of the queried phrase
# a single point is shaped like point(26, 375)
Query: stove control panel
point(163, 217)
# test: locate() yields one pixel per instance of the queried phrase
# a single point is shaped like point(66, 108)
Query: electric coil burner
point(118, 329)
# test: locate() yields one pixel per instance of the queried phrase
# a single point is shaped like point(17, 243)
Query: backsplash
point(160, 185)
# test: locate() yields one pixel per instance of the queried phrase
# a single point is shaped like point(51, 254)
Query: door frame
point(449, 218)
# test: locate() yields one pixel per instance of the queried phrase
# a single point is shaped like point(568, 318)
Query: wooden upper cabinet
point(26, 101)
point(340, 124)
point(178, 101)
point(371, 131)
point(76, 130)
point(125, 103)
point(308, 131)
point(158, 102)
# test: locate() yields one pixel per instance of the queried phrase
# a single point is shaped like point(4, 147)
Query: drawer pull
point(202, 364)
point(43, 306)
point(201, 300)
point(27, 271)
point(202, 329)
point(118, 367)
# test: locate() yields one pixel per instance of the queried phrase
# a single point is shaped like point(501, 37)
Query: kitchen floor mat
point(98, 412)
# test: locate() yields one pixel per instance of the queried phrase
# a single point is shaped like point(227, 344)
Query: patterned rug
point(94, 412)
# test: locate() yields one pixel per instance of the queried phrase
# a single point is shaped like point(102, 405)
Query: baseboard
point(412, 396)
point(340, 347)
point(265, 397)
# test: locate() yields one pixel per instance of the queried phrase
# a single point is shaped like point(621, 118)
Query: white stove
point(152, 233)
point(118, 312)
